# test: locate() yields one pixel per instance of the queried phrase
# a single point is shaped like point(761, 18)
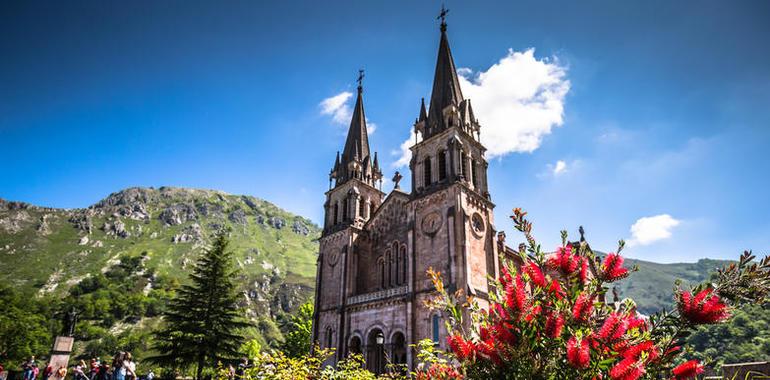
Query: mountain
point(152, 237)
point(119, 260)
point(652, 286)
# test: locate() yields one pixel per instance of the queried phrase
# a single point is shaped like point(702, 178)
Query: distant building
point(375, 249)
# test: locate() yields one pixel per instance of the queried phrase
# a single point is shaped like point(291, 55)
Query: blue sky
point(651, 114)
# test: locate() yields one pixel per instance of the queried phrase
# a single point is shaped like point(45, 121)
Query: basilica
point(371, 283)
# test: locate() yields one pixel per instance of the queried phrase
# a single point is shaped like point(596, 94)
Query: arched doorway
point(354, 347)
point(398, 354)
point(375, 352)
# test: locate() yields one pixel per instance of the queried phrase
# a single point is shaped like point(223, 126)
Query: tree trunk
point(199, 372)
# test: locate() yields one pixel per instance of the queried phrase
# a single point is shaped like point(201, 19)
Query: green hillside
point(133, 247)
point(652, 286)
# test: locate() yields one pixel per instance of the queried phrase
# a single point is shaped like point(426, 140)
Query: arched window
point(427, 171)
point(336, 212)
point(387, 269)
point(328, 337)
point(474, 174)
point(435, 327)
point(403, 264)
point(394, 265)
point(442, 165)
point(464, 166)
point(361, 208)
point(382, 272)
point(345, 214)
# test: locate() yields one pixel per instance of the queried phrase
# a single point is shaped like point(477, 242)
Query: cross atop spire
point(360, 80)
point(442, 16)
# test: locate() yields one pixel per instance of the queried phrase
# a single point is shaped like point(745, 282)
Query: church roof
point(357, 143)
point(446, 85)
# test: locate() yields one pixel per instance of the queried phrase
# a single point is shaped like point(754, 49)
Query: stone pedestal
point(60, 354)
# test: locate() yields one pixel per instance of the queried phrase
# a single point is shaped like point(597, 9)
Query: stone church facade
point(375, 249)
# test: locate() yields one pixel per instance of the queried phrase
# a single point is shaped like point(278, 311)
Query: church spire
point(357, 143)
point(356, 160)
point(446, 85)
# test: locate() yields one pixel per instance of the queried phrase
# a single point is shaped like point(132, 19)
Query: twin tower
point(375, 249)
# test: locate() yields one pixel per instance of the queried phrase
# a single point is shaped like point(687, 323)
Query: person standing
point(130, 366)
point(28, 368)
point(118, 370)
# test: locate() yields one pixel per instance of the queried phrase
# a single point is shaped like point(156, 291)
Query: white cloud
point(650, 229)
point(340, 109)
point(405, 155)
point(337, 106)
point(518, 101)
point(559, 168)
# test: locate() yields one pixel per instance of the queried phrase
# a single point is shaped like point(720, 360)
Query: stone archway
point(375, 352)
point(398, 350)
point(354, 347)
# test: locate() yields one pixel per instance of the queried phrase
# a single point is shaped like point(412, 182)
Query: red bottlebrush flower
point(612, 268)
point(613, 328)
point(487, 349)
point(704, 308)
point(637, 322)
point(535, 274)
point(516, 296)
point(564, 260)
point(687, 370)
point(672, 350)
point(463, 349)
point(578, 354)
point(533, 313)
point(505, 276)
point(583, 307)
point(555, 289)
point(627, 369)
point(583, 275)
point(635, 351)
point(554, 325)
point(503, 333)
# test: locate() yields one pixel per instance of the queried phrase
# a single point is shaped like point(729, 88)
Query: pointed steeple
point(423, 112)
point(446, 85)
point(357, 143)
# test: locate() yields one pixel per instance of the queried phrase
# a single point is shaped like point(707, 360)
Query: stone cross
point(396, 179)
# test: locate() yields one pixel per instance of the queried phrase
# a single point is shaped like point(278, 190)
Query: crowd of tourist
point(121, 367)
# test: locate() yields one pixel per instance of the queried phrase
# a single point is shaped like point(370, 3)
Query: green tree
point(202, 323)
point(297, 339)
point(23, 327)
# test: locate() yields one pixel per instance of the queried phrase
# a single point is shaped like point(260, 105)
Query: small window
point(345, 214)
point(361, 208)
point(427, 171)
point(435, 328)
point(464, 166)
point(442, 165)
point(475, 174)
point(336, 213)
point(328, 337)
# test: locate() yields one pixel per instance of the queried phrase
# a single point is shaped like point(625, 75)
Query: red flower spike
point(612, 268)
point(613, 328)
point(583, 307)
point(554, 325)
point(578, 354)
point(564, 260)
point(556, 290)
point(463, 349)
point(627, 369)
point(516, 296)
point(583, 275)
point(687, 370)
point(704, 308)
point(535, 274)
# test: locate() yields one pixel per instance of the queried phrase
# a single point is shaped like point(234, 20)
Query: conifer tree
point(202, 323)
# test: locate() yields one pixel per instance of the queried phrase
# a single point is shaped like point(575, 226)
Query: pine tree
point(202, 324)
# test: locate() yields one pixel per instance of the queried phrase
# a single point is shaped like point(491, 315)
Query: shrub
point(548, 318)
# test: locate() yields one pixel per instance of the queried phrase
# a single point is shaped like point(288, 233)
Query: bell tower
point(352, 199)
